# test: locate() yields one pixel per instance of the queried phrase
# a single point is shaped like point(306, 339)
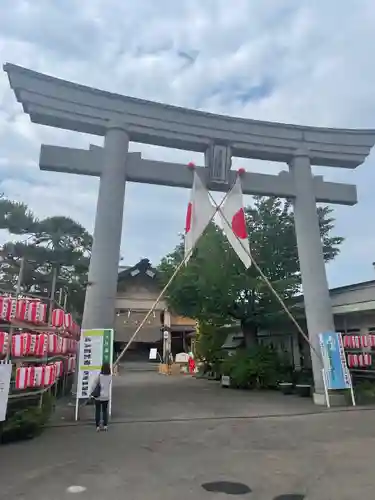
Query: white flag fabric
point(234, 224)
point(199, 213)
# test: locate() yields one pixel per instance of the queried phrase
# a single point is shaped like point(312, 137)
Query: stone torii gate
point(120, 119)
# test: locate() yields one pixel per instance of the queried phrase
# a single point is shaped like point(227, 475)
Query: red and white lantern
point(57, 319)
point(4, 306)
point(52, 344)
point(59, 368)
point(12, 310)
point(42, 345)
point(48, 375)
point(18, 346)
point(22, 309)
point(22, 374)
point(4, 343)
point(35, 376)
point(33, 344)
point(41, 313)
point(64, 345)
point(68, 322)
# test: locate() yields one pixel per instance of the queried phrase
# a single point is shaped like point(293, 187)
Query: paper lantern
point(57, 319)
point(64, 346)
point(22, 377)
point(35, 376)
point(26, 338)
point(347, 340)
point(52, 343)
point(41, 313)
point(33, 344)
point(42, 345)
point(33, 311)
point(18, 346)
point(4, 343)
point(12, 310)
point(68, 321)
point(59, 368)
point(48, 375)
point(22, 309)
point(367, 359)
point(59, 344)
point(4, 305)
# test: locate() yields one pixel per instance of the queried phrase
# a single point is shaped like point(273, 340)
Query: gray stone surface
point(171, 435)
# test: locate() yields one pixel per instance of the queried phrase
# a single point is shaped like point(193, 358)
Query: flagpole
point(176, 271)
point(267, 281)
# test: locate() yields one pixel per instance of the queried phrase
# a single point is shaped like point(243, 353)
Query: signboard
point(95, 348)
point(153, 353)
point(337, 375)
point(5, 374)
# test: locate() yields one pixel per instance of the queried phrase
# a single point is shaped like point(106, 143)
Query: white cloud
point(302, 62)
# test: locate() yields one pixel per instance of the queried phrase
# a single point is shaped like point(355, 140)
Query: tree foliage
point(51, 245)
point(215, 286)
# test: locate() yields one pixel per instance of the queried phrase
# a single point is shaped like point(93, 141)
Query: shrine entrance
point(120, 119)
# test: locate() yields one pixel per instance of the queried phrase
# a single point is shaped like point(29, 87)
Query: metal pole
point(65, 301)
point(52, 295)
point(18, 290)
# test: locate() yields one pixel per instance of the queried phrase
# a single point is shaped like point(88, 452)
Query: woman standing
point(102, 394)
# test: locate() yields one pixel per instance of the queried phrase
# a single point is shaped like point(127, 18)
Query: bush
point(365, 392)
point(208, 346)
point(257, 368)
point(26, 422)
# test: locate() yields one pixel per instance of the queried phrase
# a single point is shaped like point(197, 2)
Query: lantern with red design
point(18, 346)
point(35, 376)
point(41, 314)
point(32, 311)
point(26, 343)
point(22, 375)
point(33, 344)
point(59, 368)
point(42, 345)
point(48, 375)
point(22, 308)
point(52, 343)
point(4, 305)
point(4, 343)
point(12, 309)
point(68, 322)
point(57, 319)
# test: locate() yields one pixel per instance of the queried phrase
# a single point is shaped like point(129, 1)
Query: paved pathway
point(171, 435)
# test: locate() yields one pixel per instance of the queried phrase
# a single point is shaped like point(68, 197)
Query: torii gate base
point(120, 119)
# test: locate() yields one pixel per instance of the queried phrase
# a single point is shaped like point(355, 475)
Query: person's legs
point(105, 412)
point(97, 413)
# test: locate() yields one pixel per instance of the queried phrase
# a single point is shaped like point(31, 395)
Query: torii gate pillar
point(103, 272)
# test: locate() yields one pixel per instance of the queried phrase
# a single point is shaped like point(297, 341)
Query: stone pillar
point(314, 280)
point(99, 310)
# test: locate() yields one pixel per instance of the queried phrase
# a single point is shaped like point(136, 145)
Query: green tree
point(52, 245)
point(215, 286)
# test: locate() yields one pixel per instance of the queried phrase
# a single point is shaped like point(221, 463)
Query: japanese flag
point(199, 213)
point(234, 224)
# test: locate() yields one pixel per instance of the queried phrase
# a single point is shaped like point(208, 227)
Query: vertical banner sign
point(95, 348)
point(5, 374)
point(334, 362)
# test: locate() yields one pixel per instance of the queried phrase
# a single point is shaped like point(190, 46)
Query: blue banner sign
point(334, 362)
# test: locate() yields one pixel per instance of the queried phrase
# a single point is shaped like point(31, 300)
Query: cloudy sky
point(306, 62)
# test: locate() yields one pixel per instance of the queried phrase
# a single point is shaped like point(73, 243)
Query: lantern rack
point(42, 350)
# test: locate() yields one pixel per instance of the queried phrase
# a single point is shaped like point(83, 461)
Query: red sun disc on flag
point(239, 224)
point(189, 214)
